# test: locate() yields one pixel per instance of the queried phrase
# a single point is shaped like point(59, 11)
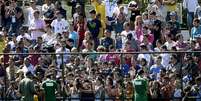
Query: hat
point(32, 1)
point(173, 13)
point(77, 6)
point(92, 11)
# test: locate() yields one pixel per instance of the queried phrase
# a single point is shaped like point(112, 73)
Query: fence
point(121, 56)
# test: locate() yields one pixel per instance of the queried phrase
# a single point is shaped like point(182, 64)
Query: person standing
point(94, 26)
point(37, 26)
point(50, 87)
point(190, 6)
point(26, 88)
point(141, 87)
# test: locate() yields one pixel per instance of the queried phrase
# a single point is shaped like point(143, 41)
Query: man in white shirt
point(190, 6)
point(59, 24)
point(110, 6)
point(64, 50)
point(28, 67)
point(31, 10)
point(37, 26)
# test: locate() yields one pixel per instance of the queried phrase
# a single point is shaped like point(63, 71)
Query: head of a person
point(138, 20)
point(63, 42)
point(58, 4)
point(59, 15)
point(65, 34)
point(89, 44)
point(111, 48)
point(143, 62)
point(107, 33)
point(126, 26)
point(33, 2)
point(145, 16)
point(36, 14)
point(196, 22)
point(39, 40)
point(173, 16)
point(13, 3)
point(143, 47)
point(92, 14)
point(152, 15)
point(198, 80)
point(168, 37)
point(179, 37)
point(164, 48)
point(27, 62)
point(87, 35)
point(158, 60)
point(173, 58)
point(29, 74)
point(159, 43)
point(78, 8)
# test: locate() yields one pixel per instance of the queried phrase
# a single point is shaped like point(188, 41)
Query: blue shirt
point(74, 35)
point(196, 32)
point(155, 70)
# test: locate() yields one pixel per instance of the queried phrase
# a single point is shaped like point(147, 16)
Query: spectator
point(59, 24)
point(170, 5)
point(94, 26)
point(141, 87)
point(190, 8)
point(59, 8)
point(174, 25)
point(27, 82)
point(31, 11)
point(107, 40)
point(198, 12)
point(50, 87)
point(37, 26)
point(99, 8)
point(196, 30)
point(135, 10)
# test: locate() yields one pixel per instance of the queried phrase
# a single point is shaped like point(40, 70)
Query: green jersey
point(49, 87)
point(27, 90)
point(141, 86)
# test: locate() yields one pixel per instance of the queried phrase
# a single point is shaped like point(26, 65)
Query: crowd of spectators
point(110, 27)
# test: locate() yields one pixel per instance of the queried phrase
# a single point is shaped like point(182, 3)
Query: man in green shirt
point(141, 87)
point(26, 88)
point(50, 87)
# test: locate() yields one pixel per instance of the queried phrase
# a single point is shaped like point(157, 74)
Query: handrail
point(75, 53)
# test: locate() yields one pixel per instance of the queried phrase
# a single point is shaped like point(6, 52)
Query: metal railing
point(121, 54)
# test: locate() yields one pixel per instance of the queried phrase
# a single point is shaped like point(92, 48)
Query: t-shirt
point(174, 27)
point(196, 32)
point(106, 42)
point(59, 26)
point(74, 35)
point(49, 87)
point(198, 12)
point(94, 27)
point(141, 86)
point(134, 13)
point(110, 7)
point(37, 24)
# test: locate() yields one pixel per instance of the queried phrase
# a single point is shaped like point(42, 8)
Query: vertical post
point(181, 71)
point(5, 78)
point(62, 59)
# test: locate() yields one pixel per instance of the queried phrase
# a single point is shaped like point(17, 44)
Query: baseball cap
point(173, 13)
point(92, 11)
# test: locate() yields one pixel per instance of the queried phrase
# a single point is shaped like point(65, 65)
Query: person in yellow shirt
point(171, 5)
point(99, 8)
point(103, 24)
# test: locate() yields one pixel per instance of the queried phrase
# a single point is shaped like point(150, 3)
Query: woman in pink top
point(138, 26)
